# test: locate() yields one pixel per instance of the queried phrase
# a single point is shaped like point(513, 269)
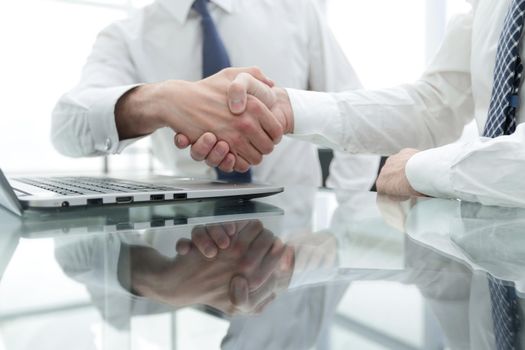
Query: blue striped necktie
point(505, 315)
point(501, 120)
point(214, 59)
point(507, 75)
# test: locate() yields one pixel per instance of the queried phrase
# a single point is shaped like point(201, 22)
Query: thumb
point(242, 86)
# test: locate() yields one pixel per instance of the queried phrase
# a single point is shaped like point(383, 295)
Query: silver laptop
point(17, 194)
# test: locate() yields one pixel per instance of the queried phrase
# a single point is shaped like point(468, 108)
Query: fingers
point(239, 291)
point(241, 165)
point(215, 154)
point(219, 235)
point(246, 236)
point(268, 265)
point(203, 146)
point(257, 251)
point(230, 228)
point(247, 84)
point(258, 74)
point(204, 242)
point(209, 239)
point(218, 154)
point(253, 140)
point(247, 302)
point(269, 123)
point(228, 164)
point(182, 141)
point(183, 246)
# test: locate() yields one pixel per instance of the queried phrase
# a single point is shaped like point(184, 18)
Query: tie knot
point(201, 6)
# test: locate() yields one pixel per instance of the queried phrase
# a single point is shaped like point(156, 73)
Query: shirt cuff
point(317, 118)
point(430, 172)
point(102, 119)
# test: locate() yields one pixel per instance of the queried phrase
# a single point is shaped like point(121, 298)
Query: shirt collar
point(181, 8)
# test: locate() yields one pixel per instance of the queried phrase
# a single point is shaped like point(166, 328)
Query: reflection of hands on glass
point(304, 252)
point(243, 88)
point(194, 108)
point(242, 278)
point(394, 210)
point(314, 251)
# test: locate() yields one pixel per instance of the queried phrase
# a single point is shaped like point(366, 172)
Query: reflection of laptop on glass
point(114, 219)
point(18, 194)
point(178, 217)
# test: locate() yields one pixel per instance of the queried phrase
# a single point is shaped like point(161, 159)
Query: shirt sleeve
point(428, 113)
point(487, 171)
point(84, 118)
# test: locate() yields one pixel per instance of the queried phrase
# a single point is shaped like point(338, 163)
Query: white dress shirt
point(288, 39)
point(430, 114)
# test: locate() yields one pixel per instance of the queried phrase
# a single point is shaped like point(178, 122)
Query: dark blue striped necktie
point(505, 315)
point(214, 59)
point(505, 100)
point(501, 120)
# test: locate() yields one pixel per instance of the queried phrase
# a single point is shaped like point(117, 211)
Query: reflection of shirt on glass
point(459, 297)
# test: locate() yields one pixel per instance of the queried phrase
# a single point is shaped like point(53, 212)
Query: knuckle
point(219, 151)
point(236, 250)
point(243, 168)
point(254, 107)
point(197, 155)
point(246, 265)
point(228, 71)
point(211, 163)
point(243, 75)
point(236, 87)
point(246, 125)
point(257, 159)
point(255, 70)
point(237, 142)
point(257, 225)
point(268, 148)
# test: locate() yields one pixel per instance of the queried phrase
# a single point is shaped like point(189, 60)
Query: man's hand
point(193, 108)
point(393, 180)
point(217, 154)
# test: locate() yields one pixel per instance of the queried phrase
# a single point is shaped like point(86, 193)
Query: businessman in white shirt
point(170, 41)
point(476, 74)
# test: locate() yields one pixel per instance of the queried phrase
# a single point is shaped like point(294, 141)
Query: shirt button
point(107, 145)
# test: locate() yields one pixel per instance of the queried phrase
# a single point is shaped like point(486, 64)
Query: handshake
point(230, 119)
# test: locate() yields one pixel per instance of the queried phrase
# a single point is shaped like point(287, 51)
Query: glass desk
point(305, 269)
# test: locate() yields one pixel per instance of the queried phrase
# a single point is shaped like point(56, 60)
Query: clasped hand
point(258, 106)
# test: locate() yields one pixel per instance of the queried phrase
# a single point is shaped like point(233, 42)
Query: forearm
point(381, 121)
point(486, 170)
point(137, 112)
point(421, 115)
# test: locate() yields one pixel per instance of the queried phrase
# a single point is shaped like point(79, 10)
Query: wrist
point(137, 112)
point(285, 107)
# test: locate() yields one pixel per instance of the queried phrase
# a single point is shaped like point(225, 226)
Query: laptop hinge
point(8, 198)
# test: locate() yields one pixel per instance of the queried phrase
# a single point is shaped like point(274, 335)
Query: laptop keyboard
point(91, 185)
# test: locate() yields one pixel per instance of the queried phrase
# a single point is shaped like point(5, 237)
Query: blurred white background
point(45, 43)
